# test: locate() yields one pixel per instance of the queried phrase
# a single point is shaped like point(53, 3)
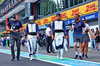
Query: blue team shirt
point(64, 27)
point(78, 28)
point(15, 25)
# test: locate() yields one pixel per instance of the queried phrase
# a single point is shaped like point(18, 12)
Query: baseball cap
point(31, 17)
point(58, 14)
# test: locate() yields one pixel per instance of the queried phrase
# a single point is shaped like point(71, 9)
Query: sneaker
point(76, 57)
point(13, 59)
point(80, 57)
point(83, 56)
point(86, 56)
point(97, 49)
point(48, 52)
point(61, 58)
point(17, 59)
point(31, 57)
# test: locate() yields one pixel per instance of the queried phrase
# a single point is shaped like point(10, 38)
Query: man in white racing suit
point(58, 26)
point(32, 31)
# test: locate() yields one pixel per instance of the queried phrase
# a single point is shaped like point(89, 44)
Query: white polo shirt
point(47, 31)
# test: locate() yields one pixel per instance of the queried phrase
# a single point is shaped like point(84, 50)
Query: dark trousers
point(5, 42)
point(17, 39)
point(23, 44)
point(8, 43)
point(49, 43)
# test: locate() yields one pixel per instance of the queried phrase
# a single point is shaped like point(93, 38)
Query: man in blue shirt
point(15, 26)
point(58, 26)
point(78, 36)
point(32, 31)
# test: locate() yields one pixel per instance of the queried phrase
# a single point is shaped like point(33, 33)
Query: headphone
point(14, 16)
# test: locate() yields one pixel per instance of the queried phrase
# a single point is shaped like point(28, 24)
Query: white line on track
point(44, 60)
point(69, 58)
point(74, 59)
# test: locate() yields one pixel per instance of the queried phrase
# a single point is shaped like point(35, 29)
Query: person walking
point(97, 39)
point(78, 36)
point(15, 26)
point(93, 45)
point(49, 39)
point(86, 38)
point(32, 31)
point(60, 31)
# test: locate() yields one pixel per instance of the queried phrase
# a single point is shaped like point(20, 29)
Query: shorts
point(78, 39)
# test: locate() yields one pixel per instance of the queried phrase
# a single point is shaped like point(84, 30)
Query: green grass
point(1, 1)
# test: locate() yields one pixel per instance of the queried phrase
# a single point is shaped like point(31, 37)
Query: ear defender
point(14, 16)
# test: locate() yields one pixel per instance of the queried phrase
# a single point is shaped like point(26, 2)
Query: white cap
point(31, 17)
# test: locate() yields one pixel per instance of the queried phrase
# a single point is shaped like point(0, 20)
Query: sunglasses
point(75, 17)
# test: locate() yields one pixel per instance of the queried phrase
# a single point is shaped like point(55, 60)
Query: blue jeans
point(93, 45)
point(3, 42)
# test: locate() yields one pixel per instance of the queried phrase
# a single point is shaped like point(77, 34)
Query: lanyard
point(77, 25)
